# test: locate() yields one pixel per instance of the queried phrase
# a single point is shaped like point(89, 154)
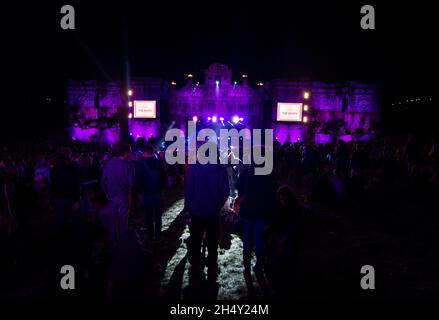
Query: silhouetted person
point(6, 215)
point(64, 186)
point(153, 182)
point(412, 151)
point(284, 236)
point(117, 181)
point(342, 159)
point(207, 190)
point(258, 193)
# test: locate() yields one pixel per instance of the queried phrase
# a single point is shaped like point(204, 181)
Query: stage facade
point(297, 111)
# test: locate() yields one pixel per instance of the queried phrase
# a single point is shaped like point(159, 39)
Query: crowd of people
point(67, 184)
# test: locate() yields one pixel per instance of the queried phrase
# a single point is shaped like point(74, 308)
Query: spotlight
point(190, 75)
point(209, 118)
point(305, 119)
point(241, 119)
point(173, 83)
point(306, 95)
point(217, 82)
point(130, 115)
point(235, 83)
point(221, 119)
point(214, 119)
point(195, 118)
point(305, 107)
point(245, 76)
point(130, 104)
point(130, 92)
point(235, 119)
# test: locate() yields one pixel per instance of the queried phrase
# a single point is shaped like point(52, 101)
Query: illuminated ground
point(335, 245)
point(176, 282)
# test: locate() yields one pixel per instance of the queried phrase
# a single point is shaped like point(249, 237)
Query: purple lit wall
point(347, 110)
point(334, 110)
point(322, 138)
point(144, 128)
point(106, 136)
point(288, 132)
point(222, 99)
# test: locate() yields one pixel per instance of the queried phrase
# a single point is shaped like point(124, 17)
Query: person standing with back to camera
point(207, 189)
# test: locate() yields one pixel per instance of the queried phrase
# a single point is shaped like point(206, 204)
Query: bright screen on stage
point(289, 111)
point(145, 109)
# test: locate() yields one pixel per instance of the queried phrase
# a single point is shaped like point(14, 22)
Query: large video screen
point(287, 111)
point(145, 109)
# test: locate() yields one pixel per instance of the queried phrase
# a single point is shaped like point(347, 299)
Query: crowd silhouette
point(101, 209)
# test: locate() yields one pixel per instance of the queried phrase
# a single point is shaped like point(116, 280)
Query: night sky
point(312, 41)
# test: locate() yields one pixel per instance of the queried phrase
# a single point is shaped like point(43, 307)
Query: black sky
point(300, 40)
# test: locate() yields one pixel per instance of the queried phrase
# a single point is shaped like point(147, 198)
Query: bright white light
point(305, 119)
point(209, 118)
point(221, 119)
point(130, 92)
point(305, 107)
point(217, 82)
point(130, 104)
point(235, 119)
point(195, 118)
point(130, 115)
point(306, 95)
point(214, 119)
point(235, 83)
